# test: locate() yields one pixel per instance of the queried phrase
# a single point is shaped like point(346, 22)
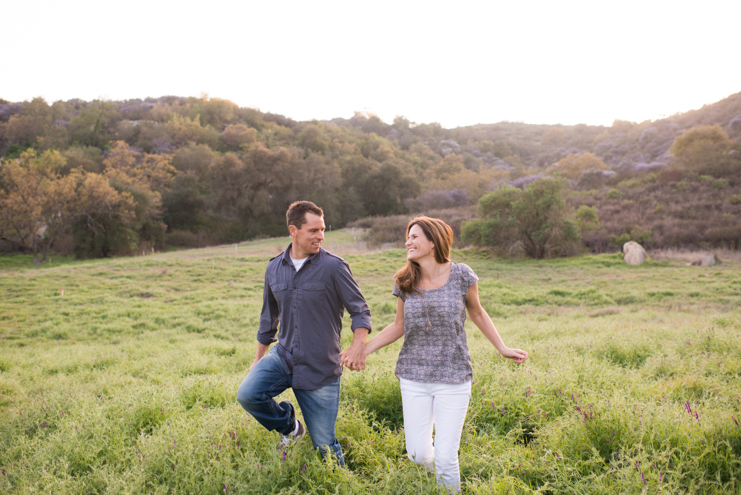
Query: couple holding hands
point(306, 292)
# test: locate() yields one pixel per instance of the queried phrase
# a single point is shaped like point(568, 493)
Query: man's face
point(308, 239)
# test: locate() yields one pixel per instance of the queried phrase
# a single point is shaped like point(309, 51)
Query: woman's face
point(418, 246)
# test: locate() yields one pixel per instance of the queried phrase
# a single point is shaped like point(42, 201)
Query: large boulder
point(634, 254)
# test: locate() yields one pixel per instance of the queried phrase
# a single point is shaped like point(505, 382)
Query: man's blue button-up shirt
point(309, 305)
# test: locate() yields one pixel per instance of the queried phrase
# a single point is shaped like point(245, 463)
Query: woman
point(434, 366)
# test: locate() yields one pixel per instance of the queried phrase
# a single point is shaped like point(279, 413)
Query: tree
point(535, 221)
point(255, 189)
point(194, 159)
point(132, 167)
point(183, 130)
point(707, 150)
point(34, 201)
point(573, 165)
point(499, 149)
point(145, 177)
point(702, 135)
point(235, 136)
point(92, 126)
point(87, 158)
point(106, 223)
point(385, 189)
point(32, 123)
point(21, 130)
point(313, 138)
point(37, 203)
point(184, 206)
point(214, 111)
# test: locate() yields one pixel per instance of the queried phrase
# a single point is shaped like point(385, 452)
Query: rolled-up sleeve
point(351, 297)
point(269, 316)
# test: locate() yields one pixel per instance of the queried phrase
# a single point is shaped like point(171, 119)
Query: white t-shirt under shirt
point(298, 263)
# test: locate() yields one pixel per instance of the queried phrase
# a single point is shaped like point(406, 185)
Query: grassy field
point(120, 375)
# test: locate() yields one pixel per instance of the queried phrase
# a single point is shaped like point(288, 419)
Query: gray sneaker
point(292, 439)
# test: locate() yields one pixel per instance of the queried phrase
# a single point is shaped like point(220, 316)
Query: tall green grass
point(125, 382)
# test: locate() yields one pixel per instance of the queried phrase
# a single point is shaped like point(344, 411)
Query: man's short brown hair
point(296, 214)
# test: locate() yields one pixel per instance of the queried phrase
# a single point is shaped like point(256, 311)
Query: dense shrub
point(535, 222)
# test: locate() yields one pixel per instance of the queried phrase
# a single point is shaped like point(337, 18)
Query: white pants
point(445, 407)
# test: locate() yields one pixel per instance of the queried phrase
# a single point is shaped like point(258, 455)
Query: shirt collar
point(287, 254)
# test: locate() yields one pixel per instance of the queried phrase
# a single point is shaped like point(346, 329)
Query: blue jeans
point(267, 379)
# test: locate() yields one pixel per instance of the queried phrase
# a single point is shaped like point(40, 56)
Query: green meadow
point(120, 375)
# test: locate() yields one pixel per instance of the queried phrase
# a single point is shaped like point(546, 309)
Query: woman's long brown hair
point(441, 235)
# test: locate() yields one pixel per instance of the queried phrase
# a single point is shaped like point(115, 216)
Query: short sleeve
point(397, 292)
point(468, 277)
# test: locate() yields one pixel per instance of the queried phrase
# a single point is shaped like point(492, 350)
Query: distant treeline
point(103, 178)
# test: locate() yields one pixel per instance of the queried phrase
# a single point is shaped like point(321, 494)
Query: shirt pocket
point(280, 292)
point(314, 292)
point(313, 286)
point(278, 289)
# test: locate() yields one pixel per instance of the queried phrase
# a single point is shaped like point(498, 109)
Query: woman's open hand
point(516, 355)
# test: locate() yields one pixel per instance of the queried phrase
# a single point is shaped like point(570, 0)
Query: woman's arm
point(481, 319)
point(391, 333)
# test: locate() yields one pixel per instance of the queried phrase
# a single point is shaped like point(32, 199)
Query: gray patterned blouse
point(438, 354)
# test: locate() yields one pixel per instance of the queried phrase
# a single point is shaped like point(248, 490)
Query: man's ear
point(292, 230)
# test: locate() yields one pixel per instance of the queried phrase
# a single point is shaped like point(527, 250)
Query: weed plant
point(120, 376)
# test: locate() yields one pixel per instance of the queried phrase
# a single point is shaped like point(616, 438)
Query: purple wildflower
point(696, 416)
point(636, 465)
point(661, 476)
point(734, 420)
point(644, 479)
point(493, 406)
point(303, 468)
point(284, 455)
point(503, 411)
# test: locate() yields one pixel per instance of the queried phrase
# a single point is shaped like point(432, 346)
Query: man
point(306, 291)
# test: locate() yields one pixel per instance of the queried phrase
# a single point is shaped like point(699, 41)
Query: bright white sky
point(455, 62)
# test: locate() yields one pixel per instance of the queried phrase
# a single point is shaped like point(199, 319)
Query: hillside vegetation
point(103, 178)
point(120, 375)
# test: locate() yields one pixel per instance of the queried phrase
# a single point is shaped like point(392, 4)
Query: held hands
point(353, 357)
point(516, 355)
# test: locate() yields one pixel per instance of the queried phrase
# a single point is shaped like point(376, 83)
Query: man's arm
point(353, 357)
point(262, 349)
point(269, 319)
